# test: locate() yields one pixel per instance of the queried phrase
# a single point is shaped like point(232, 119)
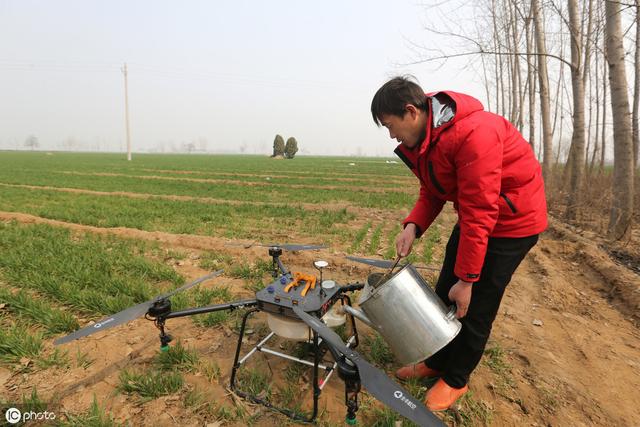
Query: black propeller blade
point(383, 263)
point(374, 380)
point(129, 313)
point(292, 247)
point(286, 247)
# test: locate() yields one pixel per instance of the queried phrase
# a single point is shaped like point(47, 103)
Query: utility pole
point(126, 111)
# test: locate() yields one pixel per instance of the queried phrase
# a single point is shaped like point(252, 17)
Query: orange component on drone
point(310, 282)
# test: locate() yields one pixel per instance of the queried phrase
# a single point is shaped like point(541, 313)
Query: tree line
point(551, 65)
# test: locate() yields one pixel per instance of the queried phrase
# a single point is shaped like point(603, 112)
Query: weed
point(16, 342)
point(214, 260)
point(210, 369)
point(375, 239)
point(378, 350)
point(94, 417)
point(33, 402)
point(150, 385)
point(177, 357)
point(83, 360)
point(30, 306)
point(469, 412)
point(198, 402)
point(359, 237)
point(255, 382)
point(225, 413)
point(495, 359)
point(57, 357)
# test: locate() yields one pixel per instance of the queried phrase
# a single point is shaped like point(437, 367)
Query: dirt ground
point(568, 328)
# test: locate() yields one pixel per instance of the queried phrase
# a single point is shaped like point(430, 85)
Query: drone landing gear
point(317, 349)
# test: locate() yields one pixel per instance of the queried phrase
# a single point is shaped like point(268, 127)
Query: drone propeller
point(287, 247)
point(383, 263)
point(129, 313)
point(374, 380)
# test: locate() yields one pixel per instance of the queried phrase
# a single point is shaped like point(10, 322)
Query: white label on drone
point(101, 324)
point(398, 395)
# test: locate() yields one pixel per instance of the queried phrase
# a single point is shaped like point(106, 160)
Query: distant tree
point(278, 146)
point(291, 148)
point(31, 142)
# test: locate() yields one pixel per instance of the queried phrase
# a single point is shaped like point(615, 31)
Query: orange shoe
point(419, 370)
point(442, 396)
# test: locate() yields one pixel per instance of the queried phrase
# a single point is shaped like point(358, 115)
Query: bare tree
point(636, 90)
point(576, 156)
point(545, 103)
point(622, 204)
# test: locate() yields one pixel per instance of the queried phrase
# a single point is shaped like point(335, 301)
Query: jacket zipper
point(511, 206)
point(432, 176)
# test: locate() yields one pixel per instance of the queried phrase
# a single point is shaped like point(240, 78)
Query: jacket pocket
point(509, 203)
point(432, 177)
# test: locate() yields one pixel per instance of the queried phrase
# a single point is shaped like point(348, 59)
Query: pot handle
point(451, 315)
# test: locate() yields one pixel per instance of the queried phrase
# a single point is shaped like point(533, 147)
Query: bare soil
point(568, 328)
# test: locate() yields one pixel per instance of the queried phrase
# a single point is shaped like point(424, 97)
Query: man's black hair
point(393, 97)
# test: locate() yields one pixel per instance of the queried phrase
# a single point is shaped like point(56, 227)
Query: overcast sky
point(223, 75)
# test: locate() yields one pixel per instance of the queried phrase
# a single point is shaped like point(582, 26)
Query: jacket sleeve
point(424, 212)
point(478, 164)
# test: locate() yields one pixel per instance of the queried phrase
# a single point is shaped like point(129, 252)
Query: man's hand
point(460, 293)
point(405, 239)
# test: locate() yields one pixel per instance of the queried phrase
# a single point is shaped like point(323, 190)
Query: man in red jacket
point(481, 163)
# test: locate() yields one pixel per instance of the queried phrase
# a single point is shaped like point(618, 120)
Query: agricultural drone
point(295, 303)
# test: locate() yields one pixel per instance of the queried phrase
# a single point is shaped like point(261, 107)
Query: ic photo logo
point(13, 415)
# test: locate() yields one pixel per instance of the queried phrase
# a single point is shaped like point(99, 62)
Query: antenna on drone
point(126, 111)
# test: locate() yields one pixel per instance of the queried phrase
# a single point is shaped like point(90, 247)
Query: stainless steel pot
point(408, 314)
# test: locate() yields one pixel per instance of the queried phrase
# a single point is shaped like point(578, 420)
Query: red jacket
point(481, 163)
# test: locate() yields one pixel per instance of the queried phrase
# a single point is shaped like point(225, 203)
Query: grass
point(177, 358)
point(469, 413)
point(335, 180)
point(93, 417)
point(359, 237)
point(212, 261)
point(17, 342)
point(210, 369)
point(151, 384)
point(198, 402)
point(430, 240)
point(378, 351)
point(83, 360)
point(37, 311)
point(255, 382)
point(204, 297)
point(91, 274)
point(372, 249)
point(390, 252)
point(495, 359)
point(33, 402)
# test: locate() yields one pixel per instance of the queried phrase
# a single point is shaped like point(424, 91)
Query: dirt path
point(568, 330)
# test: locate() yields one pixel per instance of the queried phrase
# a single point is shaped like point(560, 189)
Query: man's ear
point(411, 109)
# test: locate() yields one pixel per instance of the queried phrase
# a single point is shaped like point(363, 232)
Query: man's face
point(409, 130)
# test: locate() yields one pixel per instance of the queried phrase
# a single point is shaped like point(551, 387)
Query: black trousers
point(461, 356)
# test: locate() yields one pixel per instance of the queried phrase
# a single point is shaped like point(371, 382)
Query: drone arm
point(350, 288)
point(211, 308)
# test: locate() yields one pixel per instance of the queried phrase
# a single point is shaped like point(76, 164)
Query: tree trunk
point(531, 83)
point(622, 203)
point(636, 90)
point(603, 138)
point(578, 137)
point(545, 103)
